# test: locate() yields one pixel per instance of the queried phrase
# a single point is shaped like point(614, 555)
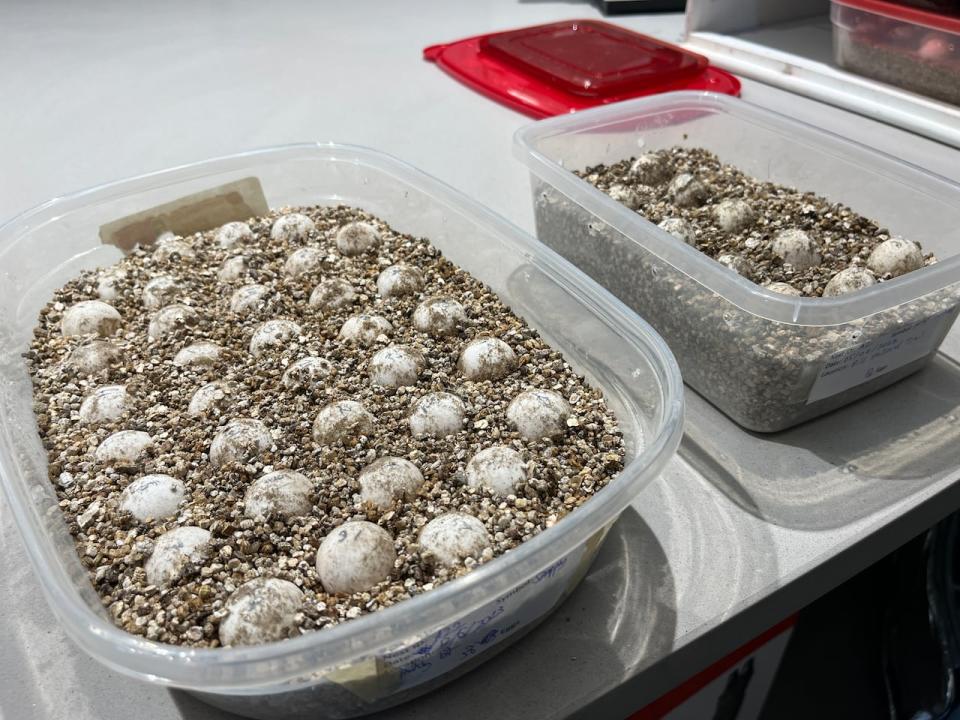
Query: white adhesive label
point(879, 355)
point(456, 643)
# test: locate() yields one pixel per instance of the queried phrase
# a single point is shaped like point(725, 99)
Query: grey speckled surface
point(741, 530)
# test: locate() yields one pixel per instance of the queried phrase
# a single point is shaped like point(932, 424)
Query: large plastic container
point(913, 48)
point(400, 652)
point(767, 360)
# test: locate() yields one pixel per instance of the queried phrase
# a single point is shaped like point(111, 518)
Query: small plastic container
point(767, 360)
point(912, 48)
point(405, 650)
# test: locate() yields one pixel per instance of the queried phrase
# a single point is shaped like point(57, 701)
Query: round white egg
point(155, 497)
point(94, 356)
point(281, 493)
point(487, 359)
point(499, 469)
point(89, 317)
point(232, 269)
point(214, 395)
point(357, 238)
point(437, 414)
point(651, 169)
point(539, 414)
point(355, 557)
point(342, 421)
point(273, 334)
point(241, 441)
point(159, 291)
point(439, 316)
point(895, 257)
point(453, 537)
point(680, 229)
point(248, 297)
point(849, 280)
point(293, 226)
point(400, 279)
point(364, 329)
point(395, 366)
point(173, 551)
point(784, 289)
point(796, 248)
point(199, 353)
point(260, 611)
point(170, 246)
point(171, 317)
point(687, 191)
point(104, 404)
point(231, 233)
point(387, 480)
point(123, 448)
point(303, 261)
point(307, 371)
point(734, 214)
point(333, 294)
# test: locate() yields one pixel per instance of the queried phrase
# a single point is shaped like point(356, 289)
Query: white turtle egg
point(159, 291)
point(453, 537)
point(171, 317)
point(303, 261)
point(232, 269)
point(272, 334)
point(333, 294)
point(281, 493)
point(342, 421)
point(499, 469)
point(307, 371)
point(686, 190)
point(293, 226)
point(355, 557)
point(395, 366)
point(89, 317)
point(169, 246)
point(487, 359)
point(199, 353)
point(248, 297)
point(437, 414)
point(231, 233)
point(400, 279)
point(154, 497)
point(387, 480)
point(356, 238)
point(123, 448)
point(796, 248)
point(173, 551)
point(894, 257)
point(439, 316)
point(106, 403)
point(680, 229)
point(849, 280)
point(538, 414)
point(209, 396)
point(241, 441)
point(260, 611)
point(364, 329)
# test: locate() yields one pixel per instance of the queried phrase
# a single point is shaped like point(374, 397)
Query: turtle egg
point(784, 289)
point(94, 356)
point(170, 246)
point(161, 290)
point(123, 448)
point(355, 557)
point(88, 317)
point(273, 333)
point(487, 359)
point(437, 414)
point(895, 257)
point(357, 238)
point(439, 316)
point(387, 480)
point(248, 297)
point(233, 232)
point(105, 403)
point(453, 537)
point(302, 261)
point(209, 396)
point(307, 371)
point(241, 441)
point(625, 196)
point(687, 191)
point(399, 280)
point(499, 469)
point(333, 294)
point(294, 226)
point(796, 248)
point(260, 611)
point(200, 353)
point(734, 215)
point(342, 421)
point(233, 269)
point(152, 497)
point(169, 318)
point(849, 280)
point(680, 229)
point(107, 285)
point(538, 414)
point(173, 551)
point(737, 263)
point(651, 169)
point(364, 329)
point(282, 493)
point(395, 366)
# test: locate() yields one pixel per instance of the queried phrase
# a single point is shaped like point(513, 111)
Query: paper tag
point(857, 364)
point(237, 200)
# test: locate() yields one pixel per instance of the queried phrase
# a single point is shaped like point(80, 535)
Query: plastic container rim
point(183, 667)
point(734, 288)
point(913, 15)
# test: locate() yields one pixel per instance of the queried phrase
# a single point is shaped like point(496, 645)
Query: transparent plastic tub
point(400, 652)
point(767, 360)
point(913, 48)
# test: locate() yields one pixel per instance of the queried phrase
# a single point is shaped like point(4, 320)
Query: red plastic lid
point(567, 66)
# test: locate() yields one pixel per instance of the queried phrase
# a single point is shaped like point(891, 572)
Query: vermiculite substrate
point(278, 425)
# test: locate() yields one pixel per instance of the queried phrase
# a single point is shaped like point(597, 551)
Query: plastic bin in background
point(386, 657)
point(767, 360)
point(909, 47)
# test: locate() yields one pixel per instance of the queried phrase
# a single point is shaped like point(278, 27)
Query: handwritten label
point(459, 641)
point(879, 355)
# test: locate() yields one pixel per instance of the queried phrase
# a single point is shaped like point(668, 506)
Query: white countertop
point(710, 556)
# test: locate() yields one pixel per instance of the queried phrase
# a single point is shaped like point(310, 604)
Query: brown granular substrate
point(845, 238)
point(562, 473)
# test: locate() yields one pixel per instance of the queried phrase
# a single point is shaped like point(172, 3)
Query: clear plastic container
point(767, 360)
point(400, 652)
point(913, 48)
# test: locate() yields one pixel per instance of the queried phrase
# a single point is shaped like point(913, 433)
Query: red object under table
point(567, 66)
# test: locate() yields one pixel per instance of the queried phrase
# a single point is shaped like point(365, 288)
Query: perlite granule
point(249, 428)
